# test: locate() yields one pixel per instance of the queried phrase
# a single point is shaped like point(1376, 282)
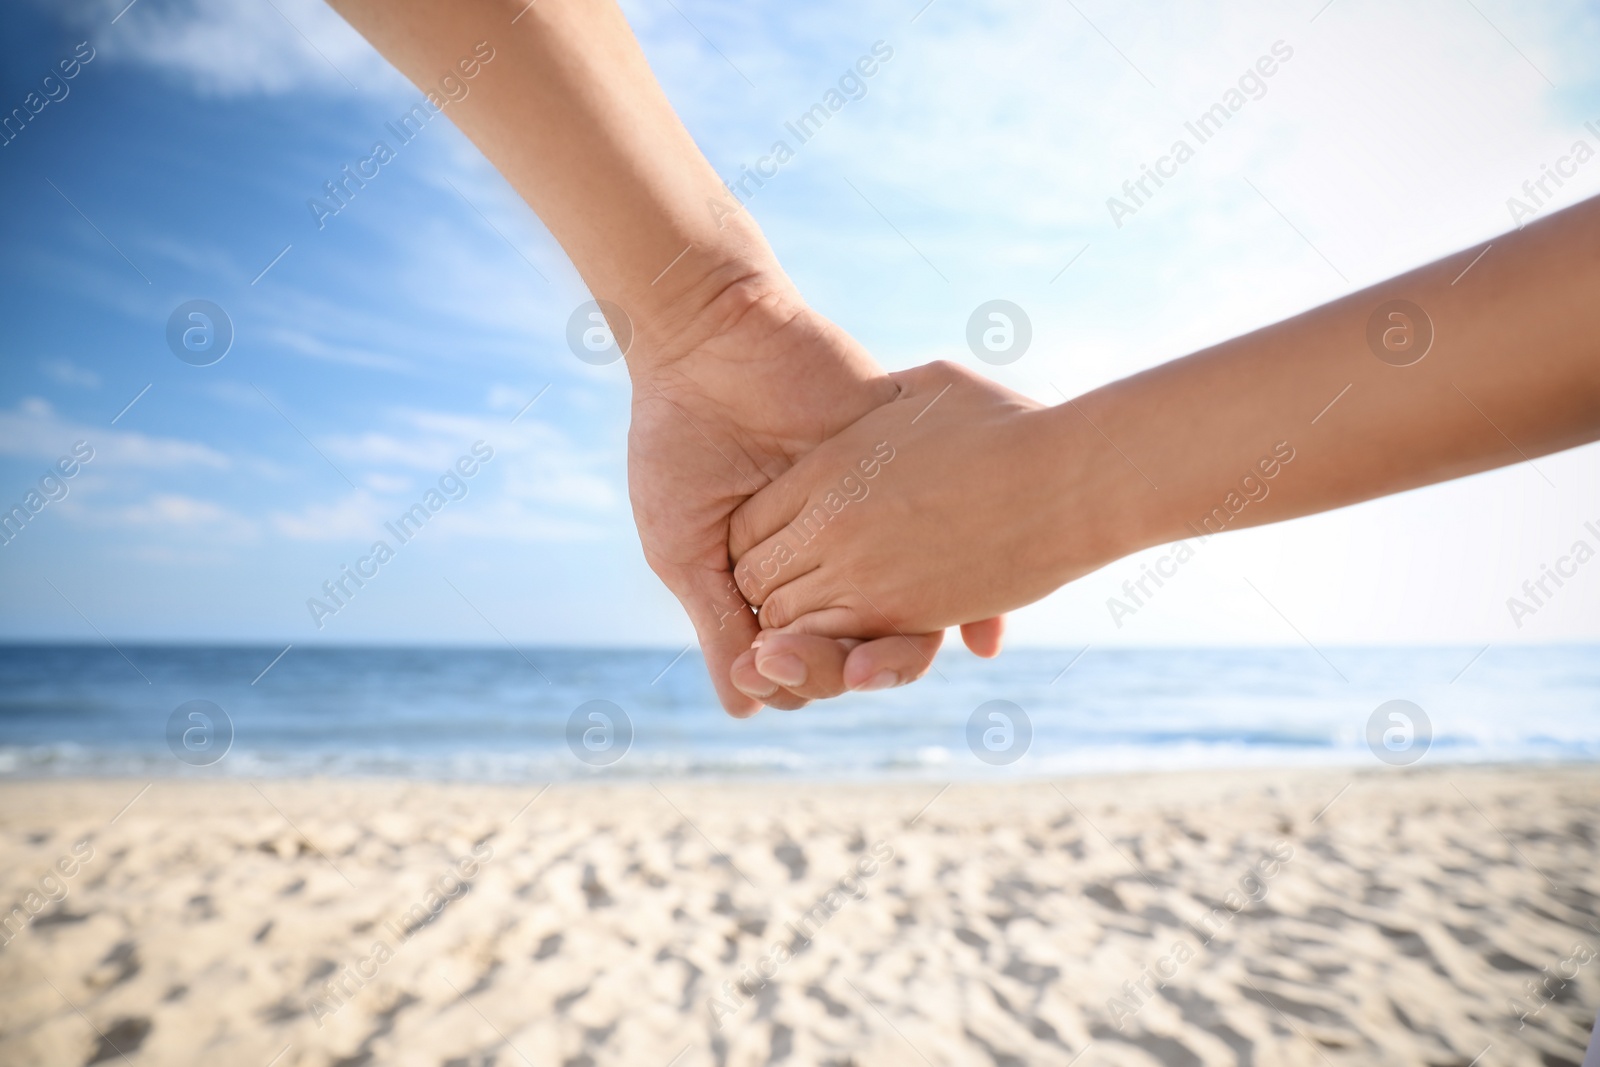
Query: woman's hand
point(942, 507)
point(959, 499)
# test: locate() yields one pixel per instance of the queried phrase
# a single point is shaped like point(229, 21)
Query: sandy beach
point(1447, 916)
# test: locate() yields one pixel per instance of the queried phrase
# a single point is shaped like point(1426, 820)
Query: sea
point(542, 714)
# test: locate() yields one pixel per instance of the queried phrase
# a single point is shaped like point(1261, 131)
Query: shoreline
point(1290, 915)
point(1351, 761)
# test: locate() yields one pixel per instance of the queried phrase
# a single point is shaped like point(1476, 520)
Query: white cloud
point(428, 442)
point(538, 486)
point(305, 344)
point(164, 521)
point(387, 483)
point(504, 397)
point(239, 49)
point(487, 512)
point(69, 373)
point(350, 518)
point(34, 429)
point(177, 512)
point(510, 519)
point(469, 299)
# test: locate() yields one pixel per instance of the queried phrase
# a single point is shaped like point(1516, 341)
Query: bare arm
point(1512, 373)
point(734, 377)
point(991, 500)
point(569, 112)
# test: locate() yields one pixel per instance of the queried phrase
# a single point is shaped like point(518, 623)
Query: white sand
point(222, 923)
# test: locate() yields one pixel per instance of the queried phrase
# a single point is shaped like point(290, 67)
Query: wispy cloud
point(305, 344)
point(177, 513)
point(69, 373)
point(354, 517)
point(33, 429)
point(539, 485)
point(269, 48)
point(485, 514)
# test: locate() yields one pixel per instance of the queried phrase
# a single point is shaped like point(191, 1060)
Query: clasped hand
point(924, 513)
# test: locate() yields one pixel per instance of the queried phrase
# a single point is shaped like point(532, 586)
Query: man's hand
point(734, 377)
point(736, 398)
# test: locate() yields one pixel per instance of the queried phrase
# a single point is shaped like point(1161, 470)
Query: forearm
point(1513, 373)
point(570, 113)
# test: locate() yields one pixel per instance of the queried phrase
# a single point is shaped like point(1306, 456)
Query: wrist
point(1100, 506)
point(716, 291)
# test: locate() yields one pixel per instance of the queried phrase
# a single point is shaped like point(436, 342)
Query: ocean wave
point(477, 715)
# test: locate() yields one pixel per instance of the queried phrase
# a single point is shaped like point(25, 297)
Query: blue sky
point(427, 313)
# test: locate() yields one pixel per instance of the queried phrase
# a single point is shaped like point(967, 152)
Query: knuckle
point(775, 613)
point(943, 372)
point(751, 587)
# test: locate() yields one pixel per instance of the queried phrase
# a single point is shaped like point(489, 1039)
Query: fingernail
point(786, 669)
point(759, 694)
point(760, 637)
point(881, 680)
